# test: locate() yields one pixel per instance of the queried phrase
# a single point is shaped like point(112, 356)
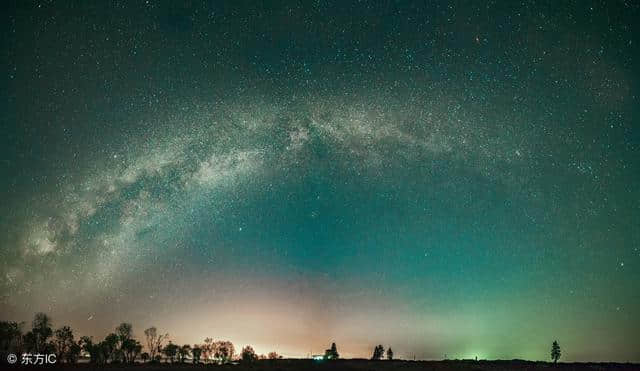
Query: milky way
point(446, 180)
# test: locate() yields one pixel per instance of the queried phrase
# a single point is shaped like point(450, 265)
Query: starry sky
point(456, 178)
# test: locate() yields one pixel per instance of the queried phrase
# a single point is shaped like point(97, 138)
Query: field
point(358, 365)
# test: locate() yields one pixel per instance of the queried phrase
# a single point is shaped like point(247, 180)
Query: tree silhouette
point(11, 340)
point(332, 353)
point(103, 351)
point(389, 354)
point(273, 355)
point(62, 341)
point(196, 352)
point(36, 340)
point(131, 348)
point(170, 351)
point(248, 354)
point(378, 352)
point(124, 331)
point(208, 349)
point(183, 352)
point(555, 351)
point(94, 350)
point(126, 343)
point(154, 341)
point(223, 350)
point(144, 356)
point(109, 347)
point(73, 353)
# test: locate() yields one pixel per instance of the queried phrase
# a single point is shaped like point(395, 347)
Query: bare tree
point(154, 341)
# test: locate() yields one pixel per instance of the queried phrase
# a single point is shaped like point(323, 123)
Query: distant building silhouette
point(331, 353)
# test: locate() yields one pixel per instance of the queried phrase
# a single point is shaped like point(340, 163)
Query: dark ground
point(354, 365)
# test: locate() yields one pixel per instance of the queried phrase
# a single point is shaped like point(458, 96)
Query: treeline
point(40, 339)
point(121, 346)
point(117, 347)
point(378, 353)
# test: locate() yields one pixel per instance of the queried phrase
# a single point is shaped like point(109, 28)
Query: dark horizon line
point(310, 357)
point(404, 360)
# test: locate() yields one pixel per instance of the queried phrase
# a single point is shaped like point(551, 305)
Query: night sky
point(456, 178)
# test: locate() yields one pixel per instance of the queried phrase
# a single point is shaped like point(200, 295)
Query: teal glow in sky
point(458, 179)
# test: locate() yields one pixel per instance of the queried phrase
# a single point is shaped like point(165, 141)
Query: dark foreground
point(352, 365)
